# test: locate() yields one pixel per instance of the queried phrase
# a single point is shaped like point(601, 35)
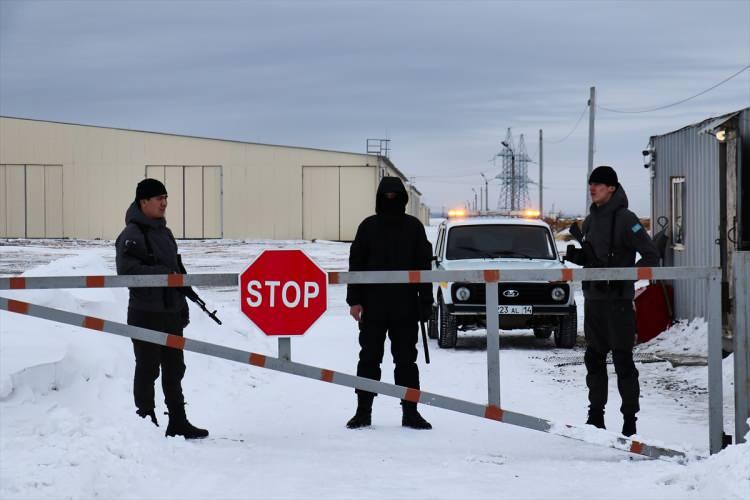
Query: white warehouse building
point(61, 180)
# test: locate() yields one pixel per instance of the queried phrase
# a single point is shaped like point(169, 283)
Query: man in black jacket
point(147, 246)
point(390, 240)
point(612, 235)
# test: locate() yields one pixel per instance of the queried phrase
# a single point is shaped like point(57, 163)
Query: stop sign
point(283, 292)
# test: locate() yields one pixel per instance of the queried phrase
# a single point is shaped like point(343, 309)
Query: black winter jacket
point(390, 240)
point(629, 237)
point(158, 256)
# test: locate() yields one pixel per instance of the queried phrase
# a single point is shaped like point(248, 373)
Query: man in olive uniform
point(147, 246)
point(612, 235)
point(390, 240)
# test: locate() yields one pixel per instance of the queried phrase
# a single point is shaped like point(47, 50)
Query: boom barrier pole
point(368, 277)
point(489, 277)
point(715, 395)
point(282, 365)
point(493, 344)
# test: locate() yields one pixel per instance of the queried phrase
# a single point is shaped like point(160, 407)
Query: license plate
point(515, 309)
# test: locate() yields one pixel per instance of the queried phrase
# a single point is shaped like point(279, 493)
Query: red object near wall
point(653, 310)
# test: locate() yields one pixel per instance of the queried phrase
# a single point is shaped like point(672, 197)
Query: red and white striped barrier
point(372, 277)
point(282, 365)
point(489, 277)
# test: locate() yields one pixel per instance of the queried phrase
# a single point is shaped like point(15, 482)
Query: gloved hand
point(574, 255)
point(425, 311)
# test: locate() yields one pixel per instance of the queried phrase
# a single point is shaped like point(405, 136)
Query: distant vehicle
point(501, 242)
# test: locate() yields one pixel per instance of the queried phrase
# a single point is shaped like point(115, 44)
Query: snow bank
point(725, 475)
point(44, 355)
point(688, 338)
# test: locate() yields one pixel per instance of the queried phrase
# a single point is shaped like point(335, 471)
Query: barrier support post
point(493, 343)
point(715, 398)
point(741, 345)
point(285, 348)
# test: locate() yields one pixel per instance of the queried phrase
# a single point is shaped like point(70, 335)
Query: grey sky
point(442, 80)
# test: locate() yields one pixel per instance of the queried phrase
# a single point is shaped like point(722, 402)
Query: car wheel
point(432, 324)
point(566, 334)
point(448, 333)
point(542, 333)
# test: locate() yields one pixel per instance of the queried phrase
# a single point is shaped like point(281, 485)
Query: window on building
point(678, 211)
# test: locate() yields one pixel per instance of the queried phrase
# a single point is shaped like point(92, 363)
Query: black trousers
point(149, 358)
point(403, 336)
point(610, 325)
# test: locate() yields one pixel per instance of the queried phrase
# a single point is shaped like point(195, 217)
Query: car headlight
point(463, 294)
point(558, 293)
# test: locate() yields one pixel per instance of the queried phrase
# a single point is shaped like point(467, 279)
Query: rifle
point(144, 255)
point(190, 294)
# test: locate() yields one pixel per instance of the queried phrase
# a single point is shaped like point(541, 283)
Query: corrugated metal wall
point(685, 153)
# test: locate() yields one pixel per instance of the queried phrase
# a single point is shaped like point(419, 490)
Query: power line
point(585, 108)
point(648, 110)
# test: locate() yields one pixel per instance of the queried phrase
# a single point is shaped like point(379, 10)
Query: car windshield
point(499, 241)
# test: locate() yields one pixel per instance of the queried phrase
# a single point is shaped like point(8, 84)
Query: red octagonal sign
point(283, 292)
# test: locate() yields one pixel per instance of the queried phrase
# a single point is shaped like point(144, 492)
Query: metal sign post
point(285, 348)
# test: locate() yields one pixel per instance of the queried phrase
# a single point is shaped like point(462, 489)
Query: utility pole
point(541, 175)
point(486, 193)
point(592, 116)
point(513, 176)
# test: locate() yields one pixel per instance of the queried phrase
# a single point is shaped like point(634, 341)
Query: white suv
point(501, 242)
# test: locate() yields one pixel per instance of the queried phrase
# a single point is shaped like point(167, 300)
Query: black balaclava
point(391, 204)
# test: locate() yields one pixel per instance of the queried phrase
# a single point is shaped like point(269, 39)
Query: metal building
point(61, 180)
point(700, 182)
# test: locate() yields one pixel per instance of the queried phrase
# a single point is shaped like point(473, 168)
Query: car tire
point(542, 333)
point(567, 333)
point(448, 334)
point(432, 324)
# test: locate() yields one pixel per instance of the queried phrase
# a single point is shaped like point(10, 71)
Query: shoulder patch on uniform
point(636, 228)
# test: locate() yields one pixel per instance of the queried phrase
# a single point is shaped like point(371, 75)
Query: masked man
point(390, 240)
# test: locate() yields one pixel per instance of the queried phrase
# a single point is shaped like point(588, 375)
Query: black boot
point(180, 426)
point(148, 413)
point(628, 425)
point(363, 416)
point(596, 418)
point(412, 418)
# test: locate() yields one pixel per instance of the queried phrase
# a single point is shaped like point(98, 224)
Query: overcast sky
point(442, 80)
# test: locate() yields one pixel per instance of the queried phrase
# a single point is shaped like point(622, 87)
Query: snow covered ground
point(68, 427)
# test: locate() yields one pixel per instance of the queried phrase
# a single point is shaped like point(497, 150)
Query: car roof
point(494, 220)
